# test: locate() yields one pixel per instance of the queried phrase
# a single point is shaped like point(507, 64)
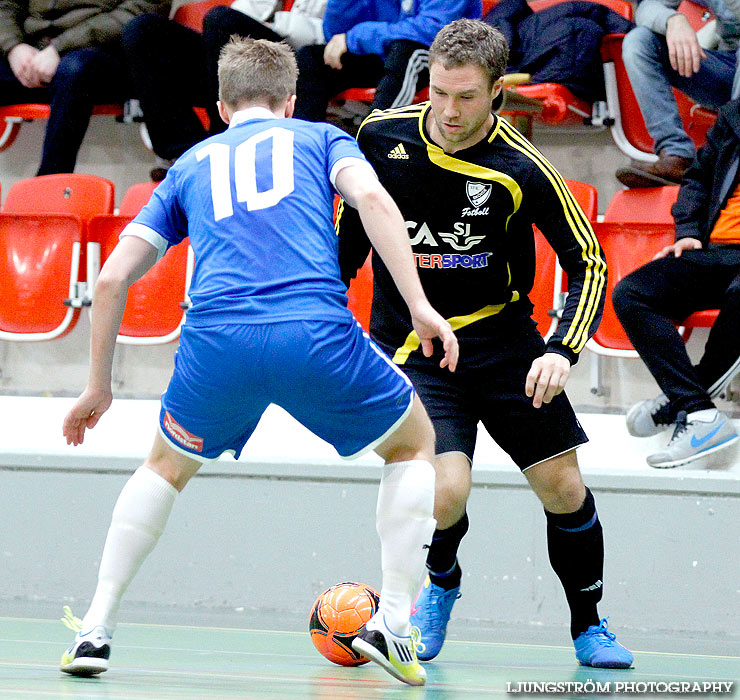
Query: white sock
point(405, 523)
point(705, 416)
point(139, 518)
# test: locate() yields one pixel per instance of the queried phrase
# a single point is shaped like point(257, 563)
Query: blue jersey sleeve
point(339, 146)
point(163, 212)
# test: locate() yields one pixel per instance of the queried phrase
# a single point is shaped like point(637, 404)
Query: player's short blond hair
point(256, 71)
point(467, 41)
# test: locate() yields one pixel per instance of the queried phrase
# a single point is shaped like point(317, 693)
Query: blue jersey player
point(269, 324)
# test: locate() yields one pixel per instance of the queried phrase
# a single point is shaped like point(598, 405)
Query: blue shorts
point(329, 376)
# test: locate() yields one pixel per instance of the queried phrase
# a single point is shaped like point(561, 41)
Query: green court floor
point(160, 662)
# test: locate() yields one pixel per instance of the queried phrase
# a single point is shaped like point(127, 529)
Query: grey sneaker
point(694, 439)
point(649, 417)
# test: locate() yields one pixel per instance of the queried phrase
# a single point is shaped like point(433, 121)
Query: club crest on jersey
point(478, 192)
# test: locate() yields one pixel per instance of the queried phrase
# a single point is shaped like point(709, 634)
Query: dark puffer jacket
point(72, 24)
point(560, 44)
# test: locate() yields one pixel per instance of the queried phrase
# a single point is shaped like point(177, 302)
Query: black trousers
point(84, 78)
point(398, 78)
point(652, 299)
point(174, 69)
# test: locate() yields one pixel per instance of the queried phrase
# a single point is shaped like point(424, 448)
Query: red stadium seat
point(153, 312)
point(627, 246)
point(637, 224)
point(587, 197)
point(14, 115)
point(65, 193)
point(550, 283)
point(136, 197)
point(155, 303)
point(192, 14)
point(40, 259)
point(82, 196)
point(650, 205)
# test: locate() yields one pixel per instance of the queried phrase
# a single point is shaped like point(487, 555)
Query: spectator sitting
point(175, 68)
point(67, 54)
point(380, 43)
point(701, 270)
point(664, 51)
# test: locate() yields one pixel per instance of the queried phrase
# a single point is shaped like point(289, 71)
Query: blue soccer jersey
point(257, 203)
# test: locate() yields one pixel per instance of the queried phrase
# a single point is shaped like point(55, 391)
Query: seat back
point(136, 197)
point(587, 197)
point(39, 269)
point(550, 282)
point(192, 14)
point(626, 246)
point(66, 193)
point(153, 314)
point(651, 205)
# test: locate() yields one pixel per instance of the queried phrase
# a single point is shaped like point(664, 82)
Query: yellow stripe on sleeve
point(595, 279)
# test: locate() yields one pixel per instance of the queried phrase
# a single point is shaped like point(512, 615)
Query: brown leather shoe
point(667, 170)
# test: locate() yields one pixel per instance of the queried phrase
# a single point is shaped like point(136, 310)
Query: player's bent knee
point(558, 483)
point(562, 496)
point(172, 466)
point(414, 438)
point(450, 498)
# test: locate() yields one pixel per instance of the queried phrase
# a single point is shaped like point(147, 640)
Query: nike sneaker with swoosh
point(89, 654)
point(430, 613)
point(693, 439)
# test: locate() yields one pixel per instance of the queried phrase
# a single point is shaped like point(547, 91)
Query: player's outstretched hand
point(428, 324)
point(86, 413)
point(547, 377)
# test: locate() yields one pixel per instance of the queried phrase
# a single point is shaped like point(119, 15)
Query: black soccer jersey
point(469, 216)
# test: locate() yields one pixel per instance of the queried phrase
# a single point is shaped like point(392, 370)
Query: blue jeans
point(84, 78)
point(645, 56)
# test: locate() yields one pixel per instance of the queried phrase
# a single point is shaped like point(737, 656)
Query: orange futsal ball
point(337, 616)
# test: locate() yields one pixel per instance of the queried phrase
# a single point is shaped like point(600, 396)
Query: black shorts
point(488, 386)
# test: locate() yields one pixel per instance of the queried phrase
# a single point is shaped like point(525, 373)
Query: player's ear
point(223, 112)
point(498, 85)
point(290, 107)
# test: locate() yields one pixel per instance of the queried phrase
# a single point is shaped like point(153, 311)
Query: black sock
point(442, 563)
point(575, 543)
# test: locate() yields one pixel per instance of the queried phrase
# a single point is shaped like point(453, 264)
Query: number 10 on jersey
point(280, 143)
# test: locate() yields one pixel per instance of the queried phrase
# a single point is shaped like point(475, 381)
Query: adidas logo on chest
point(399, 153)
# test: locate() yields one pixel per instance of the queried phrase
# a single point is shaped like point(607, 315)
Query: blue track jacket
point(370, 25)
